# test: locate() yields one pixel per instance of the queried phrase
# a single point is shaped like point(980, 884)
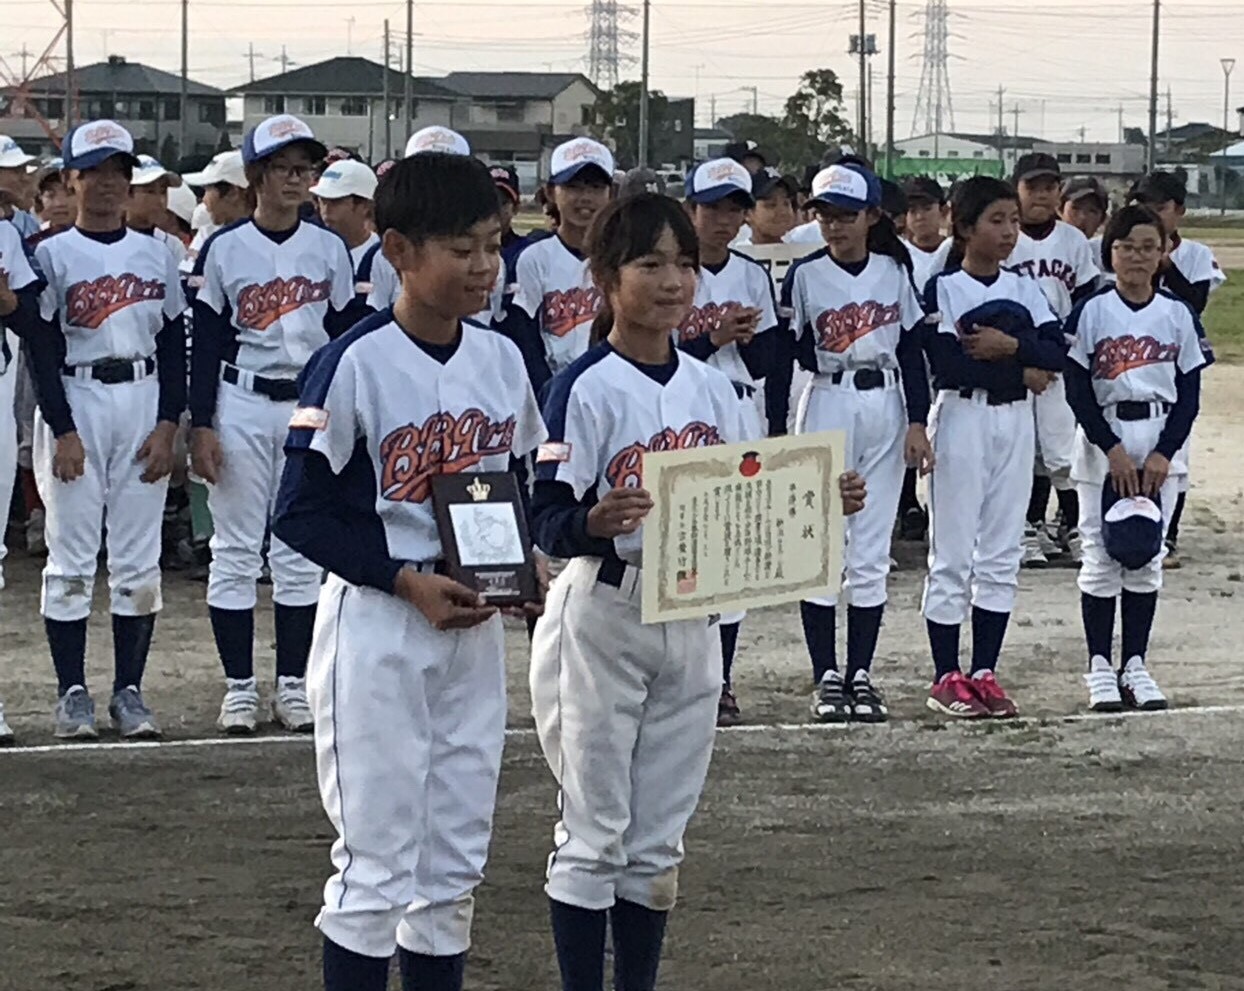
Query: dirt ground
point(1060, 852)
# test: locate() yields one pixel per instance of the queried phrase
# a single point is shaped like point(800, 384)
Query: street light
point(1227, 65)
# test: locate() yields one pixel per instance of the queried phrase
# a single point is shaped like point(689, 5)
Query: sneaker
point(6, 731)
point(290, 707)
point(993, 697)
point(830, 702)
point(953, 695)
point(1138, 688)
point(1103, 686)
point(728, 713)
point(75, 715)
point(1049, 545)
point(1075, 546)
point(1033, 556)
point(131, 717)
point(867, 702)
point(1171, 561)
point(239, 711)
point(914, 524)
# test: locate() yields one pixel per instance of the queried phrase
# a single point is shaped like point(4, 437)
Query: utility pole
point(1083, 129)
point(24, 55)
point(1170, 121)
point(869, 142)
point(250, 57)
point(388, 115)
point(862, 126)
point(409, 82)
point(349, 35)
point(642, 155)
point(1120, 123)
point(1001, 128)
point(1015, 112)
point(70, 116)
point(285, 61)
point(712, 110)
point(1227, 65)
point(755, 91)
point(185, 81)
point(889, 100)
point(1151, 151)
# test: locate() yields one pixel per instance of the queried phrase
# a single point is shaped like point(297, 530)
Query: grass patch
point(1213, 233)
point(1224, 318)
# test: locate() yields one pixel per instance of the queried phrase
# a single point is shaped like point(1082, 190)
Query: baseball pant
point(1055, 432)
point(875, 425)
point(978, 496)
point(252, 431)
point(626, 715)
point(8, 436)
point(113, 422)
point(409, 729)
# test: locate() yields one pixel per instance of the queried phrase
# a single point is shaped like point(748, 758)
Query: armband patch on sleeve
point(309, 418)
point(552, 452)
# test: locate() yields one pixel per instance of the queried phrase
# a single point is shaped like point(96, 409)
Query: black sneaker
point(867, 702)
point(728, 713)
point(914, 524)
point(830, 701)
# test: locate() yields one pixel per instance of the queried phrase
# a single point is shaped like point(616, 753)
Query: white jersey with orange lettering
point(1196, 262)
point(1061, 262)
point(554, 288)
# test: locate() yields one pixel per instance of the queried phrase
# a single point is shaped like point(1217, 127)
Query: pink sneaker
point(955, 696)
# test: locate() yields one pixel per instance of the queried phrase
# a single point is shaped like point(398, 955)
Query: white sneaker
point(1033, 557)
point(290, 708)
point(6, 731)
point(1050, 547)
point(1139, 689)
point(239, 712)
point(1075, 546)
point(1103, 686)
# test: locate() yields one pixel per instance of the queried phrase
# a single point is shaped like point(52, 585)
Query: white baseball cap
point(181, 202)
point(572, 157)
point(850, 187)
point(271, 135)
point(718, 178)
point(225, 167)
point(12, 156)
point(346, 178)
point(200, 218)
point(88, 145)
point(149, 170)
point(437, 138)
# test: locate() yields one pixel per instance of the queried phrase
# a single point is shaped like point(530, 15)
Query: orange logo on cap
point(579, 151)
point(284, 128)
point(438, 139)
point(103, 133)
point(725, 170)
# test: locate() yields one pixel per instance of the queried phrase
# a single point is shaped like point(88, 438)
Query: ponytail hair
point(603, 322)
point(968, 202)
point(883, 239)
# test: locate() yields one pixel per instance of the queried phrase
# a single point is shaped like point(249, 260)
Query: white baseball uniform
point(554, 288)
point(1133, 357)
point(625, 713)
point(409, 724)
point(926, 264)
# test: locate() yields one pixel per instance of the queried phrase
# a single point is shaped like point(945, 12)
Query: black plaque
point(484, 535)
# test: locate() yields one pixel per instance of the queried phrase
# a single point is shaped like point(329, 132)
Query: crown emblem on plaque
point(479, 490)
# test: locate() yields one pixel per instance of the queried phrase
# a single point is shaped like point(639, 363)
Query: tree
point(617, 119)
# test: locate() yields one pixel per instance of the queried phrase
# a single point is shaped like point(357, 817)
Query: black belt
point(743, 391)
point(862, 378)
point(1135, 410)
point(438, 567)
point(113, 370)
point(611, 572)
point(992, 398)
point(278, 390)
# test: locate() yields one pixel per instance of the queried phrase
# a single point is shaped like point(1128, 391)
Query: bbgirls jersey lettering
point(386, 287)
point(276, 295)
point(740, 283)
point(951, 295)
point(377, 391)
point(855, 321)
point(604, 414)
point(554, 287)
point(111, 299)
point(1061, 262)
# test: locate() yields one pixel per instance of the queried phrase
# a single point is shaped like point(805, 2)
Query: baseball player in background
point(555, 299)
point(268, 291)
point(857, 323)
point(227, 197)
point(107, 353)
point(1059, 258)
point(732, 326)
point(345, 191)
point(15, 193)
point(996, 343)
point(147, 207)
point(407, 672)
point(55, 205)
point(1134, 381)
point(1084, 204)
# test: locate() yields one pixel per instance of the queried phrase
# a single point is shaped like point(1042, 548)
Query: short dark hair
point(1122, 224)
point(1159, 187)
point(969, 199)
point(434, 194)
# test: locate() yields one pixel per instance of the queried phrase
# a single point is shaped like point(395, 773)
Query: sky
point(1065, 66)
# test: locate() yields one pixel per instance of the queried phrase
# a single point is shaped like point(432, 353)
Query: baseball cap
point(1083, 188)
point(572, 157)
point(383, 166)
point(181, 202)
point(893, 199)
point(437, 138)
point(149, 170)
point(850, 187)
point(1159, 187)
point(844, 155)
point(1131, 528)
point(506, 177)
point(768, 179)
point(271, 135)
point(718, 179)
point(346, 178)
point(924, 189)
point(739, 150)
point(88, 145)
point(11, 155)
point(1033, 166)
point(639, 180)
point(225, 167)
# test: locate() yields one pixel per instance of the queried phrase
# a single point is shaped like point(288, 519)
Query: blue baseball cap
point(1131, 528)
point(717, 179)
point(572, 157)
point(849, 187)
point(89, 145)
point(271, 135)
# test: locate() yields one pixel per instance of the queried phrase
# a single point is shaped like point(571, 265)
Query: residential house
point(710, 142)
point(948, 148)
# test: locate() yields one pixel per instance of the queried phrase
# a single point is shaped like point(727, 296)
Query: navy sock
point(345, 970)
point(579, 936)
point(944, 642)
point(863, 626)
point(421, 972)
point(1069, 506)
point(294, 625)
point(820, 631)
point(1138, 610)
point(729, 644)
point(988, 632)
point(638, 933)
point(1172, 531)
point(234, 630)
point(1098, 615)
point(1039, 500)
point(531, 627)
point(67, 642)
point(131, 643)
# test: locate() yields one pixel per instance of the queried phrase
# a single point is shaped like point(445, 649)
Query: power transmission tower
point(934, 108)
point(21, 102)
point(608, 42)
